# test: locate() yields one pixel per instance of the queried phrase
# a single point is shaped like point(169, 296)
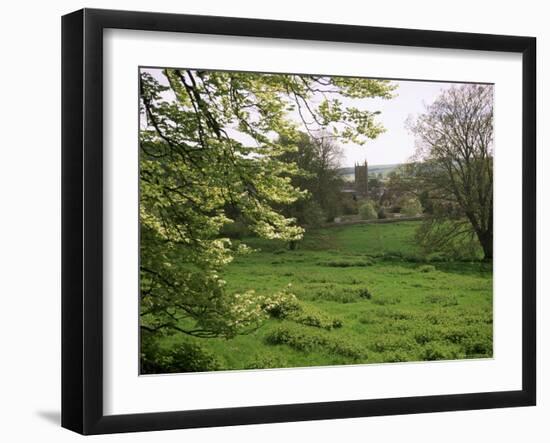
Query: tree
point(376, 189)
point(455, 165)
point(318, 160)
point(209, 156)
point(400, 184)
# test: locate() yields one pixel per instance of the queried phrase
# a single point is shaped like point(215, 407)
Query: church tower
point(362, 179)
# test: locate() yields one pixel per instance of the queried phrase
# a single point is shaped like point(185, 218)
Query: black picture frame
point(82, 215)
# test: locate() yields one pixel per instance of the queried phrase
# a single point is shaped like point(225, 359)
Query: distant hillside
point(348, 173)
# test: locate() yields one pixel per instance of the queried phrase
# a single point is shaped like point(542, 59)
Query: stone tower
point(362, 179)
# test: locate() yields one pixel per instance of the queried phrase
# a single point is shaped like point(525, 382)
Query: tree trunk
point(486, 240)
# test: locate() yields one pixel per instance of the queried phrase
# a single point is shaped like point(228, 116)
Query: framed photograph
point(269, 221)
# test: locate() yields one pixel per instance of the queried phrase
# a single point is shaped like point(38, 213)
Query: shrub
point(394, 314)
point(455, 334)
point(311, 316)
point(474, 318)
point(478, 345)
point(307, 340)
point(368, 318)
point(438, 351)
point(340, 295)
point(440, 316)
point(347, 348)
point(400, 327)
point(438, 257)
point(297, 338)
point(396, 357)
point(426, 268)
point(191, 357)
point(266, 361)
point(282, 304)
point(346, 263)
point(382, 213)
point(367, 211)
point(410, 206)
point(349, 206)
point(441, 299)
point(185, 357)
point(364, 293)
point(425, 335)
point(386, 300)
point(393, 343)
point(291, 308)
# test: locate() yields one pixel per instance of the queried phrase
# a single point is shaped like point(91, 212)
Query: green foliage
point(367, 211)
point(410, 206)
point(348, 206)
point(266, 361)
point(441, 299)
point(235, 230)
point(400, 185)
point(212, 170)
point(298, 338)
point(441, 314)
point(307, 340)
point(395, 356)
point(309, 315)
point(386, 300)
point(454, 167)
point(440, 351)
point(448, 238)
point(424, 334)
point(426, 268)
point(287, 305)
point(364, 293)
point(339, 295)
point(318, 157)
point(312, 214)
point(478, 344)
point(186, 357)
point(303, 313)
point(346, 263)
point(395, 314)
point(392, 343)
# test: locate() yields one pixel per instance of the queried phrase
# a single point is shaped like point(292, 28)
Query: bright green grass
point(416, 310)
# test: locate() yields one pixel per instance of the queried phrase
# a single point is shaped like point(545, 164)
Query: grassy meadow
point(364, 294)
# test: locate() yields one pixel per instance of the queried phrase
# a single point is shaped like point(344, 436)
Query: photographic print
point(298, 220)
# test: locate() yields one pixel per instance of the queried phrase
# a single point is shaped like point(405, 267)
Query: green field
point(364, 295)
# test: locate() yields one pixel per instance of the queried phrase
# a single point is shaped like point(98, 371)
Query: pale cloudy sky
point(396, 145)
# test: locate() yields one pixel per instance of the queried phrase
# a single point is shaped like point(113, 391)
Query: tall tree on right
point(454, 165)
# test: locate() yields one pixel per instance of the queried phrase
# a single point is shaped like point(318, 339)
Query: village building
point(359, 188)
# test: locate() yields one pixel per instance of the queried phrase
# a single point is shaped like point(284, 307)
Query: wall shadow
point(53, 417)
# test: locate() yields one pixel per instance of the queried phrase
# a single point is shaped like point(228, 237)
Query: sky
point(397, 144)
